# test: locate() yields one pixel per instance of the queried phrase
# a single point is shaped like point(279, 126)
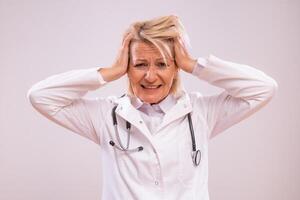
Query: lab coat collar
point(128, 112)
point(181, 108)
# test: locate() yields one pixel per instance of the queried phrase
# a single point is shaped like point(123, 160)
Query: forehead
point(143, 50)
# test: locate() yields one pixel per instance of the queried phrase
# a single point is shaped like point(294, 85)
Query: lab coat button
point(156, 182)
point(141, 122)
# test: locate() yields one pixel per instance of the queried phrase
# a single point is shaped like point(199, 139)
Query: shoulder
point(197, 99)
point(195, 96)
point(99, 101)
point(113, 100)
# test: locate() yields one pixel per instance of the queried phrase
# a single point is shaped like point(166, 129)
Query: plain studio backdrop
point(257, 158)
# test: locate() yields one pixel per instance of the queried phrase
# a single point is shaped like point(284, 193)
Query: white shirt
point(164, 169)
point(153, 114)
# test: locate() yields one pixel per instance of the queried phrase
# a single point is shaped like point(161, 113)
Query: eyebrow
point(141, 59)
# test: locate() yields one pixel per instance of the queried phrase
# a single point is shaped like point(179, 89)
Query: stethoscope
point(196, 154)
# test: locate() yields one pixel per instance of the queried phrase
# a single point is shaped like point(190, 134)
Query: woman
point(154, 139)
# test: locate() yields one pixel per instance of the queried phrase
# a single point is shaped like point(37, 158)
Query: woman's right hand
point(119, 67)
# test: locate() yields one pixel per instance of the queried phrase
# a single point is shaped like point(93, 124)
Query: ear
point(176, 73)
point(176, 67)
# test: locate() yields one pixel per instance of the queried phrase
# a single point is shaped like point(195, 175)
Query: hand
point(122, 59)
point(119, 67)
point(182, 58)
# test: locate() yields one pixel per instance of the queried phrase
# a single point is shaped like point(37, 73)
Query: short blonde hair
point(160, 32)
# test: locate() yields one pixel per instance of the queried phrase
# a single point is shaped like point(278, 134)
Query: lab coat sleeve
point(60, 98)
point(246, 90)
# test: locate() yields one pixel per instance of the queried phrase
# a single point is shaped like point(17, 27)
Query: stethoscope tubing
point(196, 154)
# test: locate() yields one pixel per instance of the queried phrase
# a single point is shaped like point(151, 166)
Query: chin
point(151, 100)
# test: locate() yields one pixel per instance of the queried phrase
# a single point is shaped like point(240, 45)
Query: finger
point(179, 43)
point(180, 40)
point(127, 38)
point(179, 46)
point(182, 46)
point(177, 40)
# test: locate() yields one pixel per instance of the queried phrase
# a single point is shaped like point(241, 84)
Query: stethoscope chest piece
point(196, 157)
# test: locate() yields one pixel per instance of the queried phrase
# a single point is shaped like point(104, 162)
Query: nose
point(151, 75)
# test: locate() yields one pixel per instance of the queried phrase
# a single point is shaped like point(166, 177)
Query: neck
point(159, 101)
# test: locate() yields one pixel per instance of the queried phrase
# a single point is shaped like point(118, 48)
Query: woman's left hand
point(182, 57)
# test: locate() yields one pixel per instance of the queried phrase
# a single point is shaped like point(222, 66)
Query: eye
point(162, 64)
point(140, 65)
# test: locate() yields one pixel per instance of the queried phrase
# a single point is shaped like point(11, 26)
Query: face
point(150, 77)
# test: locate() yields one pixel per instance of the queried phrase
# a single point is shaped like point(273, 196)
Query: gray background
point(255, 159)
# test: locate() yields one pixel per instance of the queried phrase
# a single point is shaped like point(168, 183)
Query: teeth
point(151, 87)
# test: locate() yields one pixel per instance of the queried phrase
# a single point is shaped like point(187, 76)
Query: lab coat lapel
point(132, 115)
point(181, 108)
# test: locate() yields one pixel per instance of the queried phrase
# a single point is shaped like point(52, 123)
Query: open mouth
point(151, 86)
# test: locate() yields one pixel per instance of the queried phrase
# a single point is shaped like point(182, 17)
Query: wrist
point(191, 65)
point(111, 73)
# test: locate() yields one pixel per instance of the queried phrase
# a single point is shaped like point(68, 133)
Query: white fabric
point(164, 169)
point(153, 114)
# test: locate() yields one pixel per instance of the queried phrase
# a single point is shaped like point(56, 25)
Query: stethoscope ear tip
point(111, 143)
point(140, 148)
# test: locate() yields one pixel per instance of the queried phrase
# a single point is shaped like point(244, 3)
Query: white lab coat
point(164, 169)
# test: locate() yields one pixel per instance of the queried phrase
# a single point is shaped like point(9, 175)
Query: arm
point(247, 90)
point(60, 99)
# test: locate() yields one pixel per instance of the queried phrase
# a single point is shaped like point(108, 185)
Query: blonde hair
point(160, 32)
